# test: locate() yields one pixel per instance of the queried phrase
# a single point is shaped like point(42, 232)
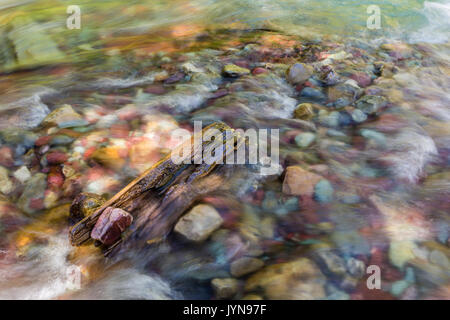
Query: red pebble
point(110, 225)
point(56, 157)
point(89, 152)
point(299, 87)
point(55, 179)
point(6, 157)
point(42, 141)
point(258, 70)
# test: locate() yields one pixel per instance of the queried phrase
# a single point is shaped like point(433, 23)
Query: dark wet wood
point(158, 197)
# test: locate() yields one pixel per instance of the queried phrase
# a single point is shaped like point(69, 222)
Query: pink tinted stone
point(110, 225)
point(362, 78)
point(219, 93)
point(42, 141)
point(6, 157)
point(174, 78)
point(56, 157)
point(55, 179)
point(258, 70)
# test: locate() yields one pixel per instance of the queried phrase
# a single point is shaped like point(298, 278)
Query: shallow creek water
point(364, 142)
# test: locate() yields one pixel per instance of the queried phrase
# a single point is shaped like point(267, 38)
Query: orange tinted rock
point(299, 182)
point(110, 157)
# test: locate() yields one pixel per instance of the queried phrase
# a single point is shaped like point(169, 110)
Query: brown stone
point(299, 182)
point(300, 279)
point(245, 265)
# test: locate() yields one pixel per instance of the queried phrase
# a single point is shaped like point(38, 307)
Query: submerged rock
point(174, 78)
point(298, 73)
point(64, 117)
point(84, 205)
point(22, 174)
point(189, 67)
point(199, 223)
point(313, 94)
point(323, 191)
point(245, 265)
point(6, 185)
point(225, 288)
point(362, 78)
point(398, 287)
point(110, 157)
point(328, 76)
point(252, 297)
point(55, 158)
point(398, 51)
point(356, 268)
point(259, 70)
point(32, 198)
point(305, 139)
point(358, 116)
point(348, 92)
point(331, 262)
point(20, 140)
point(26, 115)
point(400, 252)
point(232, 70)
point(299, 182)
point(6, 157)
point(378, 138)
point(329, 119)
point(300, 279)
point(371, 104)
point(304, 111)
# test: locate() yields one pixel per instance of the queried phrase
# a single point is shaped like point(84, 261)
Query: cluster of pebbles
point(364, 174)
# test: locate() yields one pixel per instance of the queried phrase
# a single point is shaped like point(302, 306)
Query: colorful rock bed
point(364, 154)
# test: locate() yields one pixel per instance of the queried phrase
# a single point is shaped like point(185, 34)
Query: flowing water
point(368, 182)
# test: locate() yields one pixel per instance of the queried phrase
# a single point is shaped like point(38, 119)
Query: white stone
point(22, 174)
point(199, 223)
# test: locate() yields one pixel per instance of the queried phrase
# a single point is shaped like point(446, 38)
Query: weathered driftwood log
point(156, 199)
